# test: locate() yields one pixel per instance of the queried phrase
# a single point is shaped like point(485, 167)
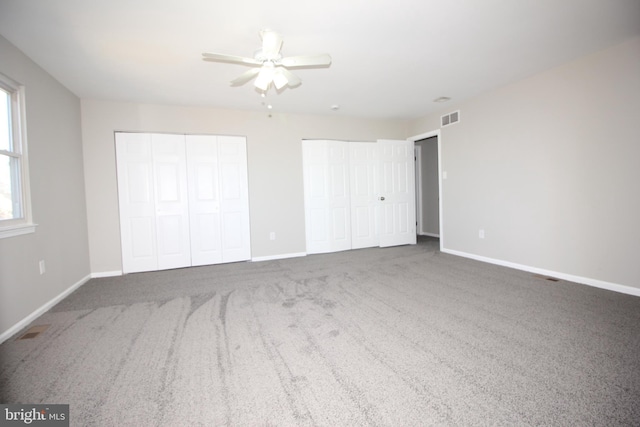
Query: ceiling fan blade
point(271, 43)
point(221, 57)
point(245, 77)
point(292, 79)
point(306, 60)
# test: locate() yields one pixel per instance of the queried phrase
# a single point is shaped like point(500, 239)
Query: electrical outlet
point(481, 234)
point(272, 235)
point(42, 267)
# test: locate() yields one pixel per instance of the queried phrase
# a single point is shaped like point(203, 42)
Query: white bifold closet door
point(363, 172)
point(327, 196)
point(218, 199)
point(183, 200)
point(152, 189)
point(358, 194)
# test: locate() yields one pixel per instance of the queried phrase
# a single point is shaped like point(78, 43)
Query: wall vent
point(33, 332)
point(449, 119)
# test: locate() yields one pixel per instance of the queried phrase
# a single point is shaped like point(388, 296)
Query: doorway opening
point(428, 186)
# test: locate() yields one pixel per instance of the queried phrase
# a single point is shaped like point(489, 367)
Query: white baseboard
point(624, 289)
point(280, 256)
point(45, 307)
point(106, 274)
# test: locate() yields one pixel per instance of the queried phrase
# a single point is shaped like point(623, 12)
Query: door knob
point(382, 198)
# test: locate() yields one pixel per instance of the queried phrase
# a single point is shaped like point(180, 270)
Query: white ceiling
point(390, 58)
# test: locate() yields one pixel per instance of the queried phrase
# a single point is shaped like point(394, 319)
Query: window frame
point(24, 224)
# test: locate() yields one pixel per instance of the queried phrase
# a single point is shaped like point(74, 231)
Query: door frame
point(418, 169)
point(426, 135)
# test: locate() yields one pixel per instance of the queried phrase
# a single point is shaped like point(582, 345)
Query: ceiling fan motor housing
point(266, 57)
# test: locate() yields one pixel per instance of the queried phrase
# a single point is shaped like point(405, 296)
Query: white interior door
point(234, 198)
point(204, 199)
point(363, 169)
point(327, 196)
point(397, 193)
point(137, 202)
point(172, 201)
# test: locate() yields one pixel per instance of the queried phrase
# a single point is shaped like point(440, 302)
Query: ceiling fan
point(269, 65)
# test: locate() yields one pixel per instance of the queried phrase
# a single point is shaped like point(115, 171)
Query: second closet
point(358, 194)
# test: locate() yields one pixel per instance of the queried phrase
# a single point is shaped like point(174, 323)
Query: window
point(15, 209)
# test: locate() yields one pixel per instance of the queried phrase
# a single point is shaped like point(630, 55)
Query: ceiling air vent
point(449, 119)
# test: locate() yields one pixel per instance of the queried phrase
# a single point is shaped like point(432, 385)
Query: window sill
point(17, 230)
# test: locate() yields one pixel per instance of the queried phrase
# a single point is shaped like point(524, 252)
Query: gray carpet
point(401, 336)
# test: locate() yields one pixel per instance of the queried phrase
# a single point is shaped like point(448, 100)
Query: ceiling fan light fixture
point(262, 84)
point(265, 77)
point(279, 79)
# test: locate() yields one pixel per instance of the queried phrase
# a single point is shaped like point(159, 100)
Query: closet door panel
point(327, 193)
point(339, 196)
point(363, 167)
point(340, 225)
point(234, 199)
point(204, 199)
point(317, 231)
point(136, 202)
point(208, 237)
point(172, 201)
point(318, 221)
point(233, 235)
point(142, 231)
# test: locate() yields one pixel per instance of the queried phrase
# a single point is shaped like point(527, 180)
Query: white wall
point(274, 158)
point(57, 197)
point(549, 167)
